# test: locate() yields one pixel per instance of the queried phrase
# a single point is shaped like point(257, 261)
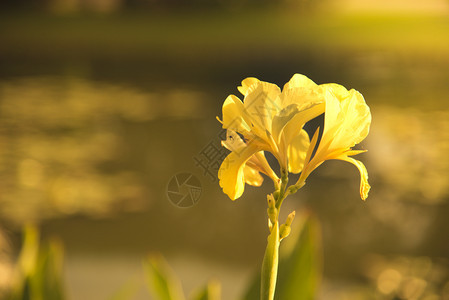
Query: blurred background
point(102, 102)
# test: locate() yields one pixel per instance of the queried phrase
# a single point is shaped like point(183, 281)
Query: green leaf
point(47, 280)
point(210, 292)
point(38, 273)
point(162, 282)
point(300, 264)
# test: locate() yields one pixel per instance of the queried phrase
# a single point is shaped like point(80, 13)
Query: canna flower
point(272, 120)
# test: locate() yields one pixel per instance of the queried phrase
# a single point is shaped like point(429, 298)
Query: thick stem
point(270, 265)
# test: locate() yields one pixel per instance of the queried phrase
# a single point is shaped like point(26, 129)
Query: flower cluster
point(272, 120)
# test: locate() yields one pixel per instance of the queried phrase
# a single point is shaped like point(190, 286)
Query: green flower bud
point(285, 229)
point(290, 218)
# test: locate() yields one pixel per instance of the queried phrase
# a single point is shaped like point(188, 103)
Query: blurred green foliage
point(165, 285)
point(38, 273)
point(210, 292)
point(299, 274)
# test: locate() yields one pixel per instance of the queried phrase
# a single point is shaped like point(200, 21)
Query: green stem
point(271, 257)
point(270, 265)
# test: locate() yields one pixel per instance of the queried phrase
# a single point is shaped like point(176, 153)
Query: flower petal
point(297, 152)
point(261, 104)
point(303, 96)
point(233, 141)
point(311, 163)
point(299, 80)
point(233, 115)
point(294, 126)
point(312, 146)
point(347, 121)
point(254, 165)
point(338, 90)
point(332, 117)
point(246, 84)
point(308, 100)
point(231, 172)
point(281, 119)
point(259, 160)
point(364, 185)
point(362, 116)
point(252, 176)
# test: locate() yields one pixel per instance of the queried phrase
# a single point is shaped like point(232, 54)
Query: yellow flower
point(272, 120)
point(346, 123)
point(267, 120)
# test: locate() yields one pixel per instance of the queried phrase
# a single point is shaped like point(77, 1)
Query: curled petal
point(364, 185)
point(231, 172)
point(246, 84)
point(233, 114)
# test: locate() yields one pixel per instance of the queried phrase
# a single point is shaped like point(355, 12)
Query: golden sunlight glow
point(407, 142)
point(57, 143)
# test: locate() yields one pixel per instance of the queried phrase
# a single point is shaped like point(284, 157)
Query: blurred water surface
point(97, 113)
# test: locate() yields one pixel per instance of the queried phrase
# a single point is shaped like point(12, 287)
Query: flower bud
point(285, 229)
point(290, 218)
